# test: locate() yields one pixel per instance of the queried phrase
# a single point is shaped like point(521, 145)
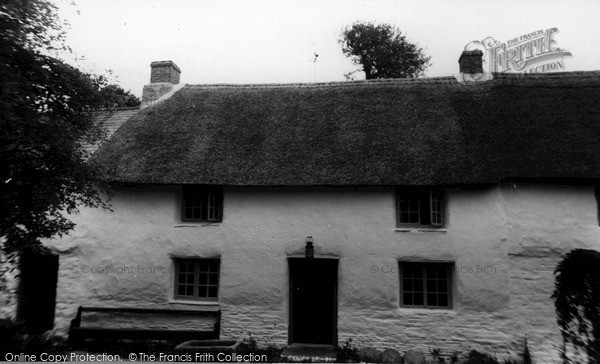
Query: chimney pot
point(471, 61)
point(164, 71)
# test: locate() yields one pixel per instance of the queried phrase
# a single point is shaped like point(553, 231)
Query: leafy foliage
point(437, 356)
point(476, 357)
point(347, 353)
point(382, 51)
point(249, 345)
point(45, 114)
point(577, 301)
point(112, 96)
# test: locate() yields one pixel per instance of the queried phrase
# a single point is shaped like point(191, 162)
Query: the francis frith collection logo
point(534, 52)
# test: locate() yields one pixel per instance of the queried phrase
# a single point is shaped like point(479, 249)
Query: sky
point(274, 41)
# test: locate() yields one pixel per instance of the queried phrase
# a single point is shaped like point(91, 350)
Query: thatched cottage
point(406, 213)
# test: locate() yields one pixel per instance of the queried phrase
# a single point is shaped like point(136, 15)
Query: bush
point(247, 346)
point(476, 357)
point(347, 353)
point(14, 339)
point(577, 302)
point(250, 346)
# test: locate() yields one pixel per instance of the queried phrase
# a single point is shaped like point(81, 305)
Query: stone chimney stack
point(471, 62)
point(164, 81)
point(164, 71)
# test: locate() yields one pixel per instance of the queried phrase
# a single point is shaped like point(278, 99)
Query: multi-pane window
point(202, 203)
point(426, 285)
point(197, 279)
point(419, 207)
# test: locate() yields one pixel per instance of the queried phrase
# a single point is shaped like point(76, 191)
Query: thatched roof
point(408, 131)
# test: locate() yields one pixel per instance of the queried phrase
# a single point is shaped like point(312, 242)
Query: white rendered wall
point(505, 242)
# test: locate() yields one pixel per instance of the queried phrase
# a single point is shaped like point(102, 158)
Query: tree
point(382, 51)
point(45, 116)
point(577, 302)
point(114, 96)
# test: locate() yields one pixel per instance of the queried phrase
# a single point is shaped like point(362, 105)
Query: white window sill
point(416, 230)
point(422, 310)
point(197, 224)
point(194, 303)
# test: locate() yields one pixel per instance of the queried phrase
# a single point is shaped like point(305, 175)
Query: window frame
point(427, 198)
point(196, 284)
point(217, 191)
point(449, 284)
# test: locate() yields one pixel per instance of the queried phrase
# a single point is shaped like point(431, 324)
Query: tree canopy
point(114, 96)
point(382, 51)
point(45, 115)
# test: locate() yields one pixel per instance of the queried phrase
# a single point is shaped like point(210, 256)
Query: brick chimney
point(164, 71)
point(164, 81)
point(471, 62)
point(471, 67)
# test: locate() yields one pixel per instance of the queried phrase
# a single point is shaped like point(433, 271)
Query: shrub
point(347, 353)
point(250, 346)
point(476, 357)
point(577, 302)
point(454, 357)
point(247, 346)
point(436, 354)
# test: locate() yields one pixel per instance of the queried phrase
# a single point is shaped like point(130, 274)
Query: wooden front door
point(313, 301)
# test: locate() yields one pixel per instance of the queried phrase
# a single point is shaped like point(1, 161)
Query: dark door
point(38, 276)
point(313, 301)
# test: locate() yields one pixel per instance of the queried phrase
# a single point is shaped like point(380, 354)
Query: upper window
point(417, 206)
point(202, 203)
point(197, 279)
point(426, 285)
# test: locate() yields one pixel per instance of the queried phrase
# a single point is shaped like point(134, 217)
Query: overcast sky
point(270, 41)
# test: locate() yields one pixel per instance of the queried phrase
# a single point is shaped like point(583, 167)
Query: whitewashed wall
point(517, 232)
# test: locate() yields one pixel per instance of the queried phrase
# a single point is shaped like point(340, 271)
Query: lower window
point(427, 285)
point(197, 279)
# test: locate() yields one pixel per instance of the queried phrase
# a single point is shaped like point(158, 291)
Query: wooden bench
point(139, 324)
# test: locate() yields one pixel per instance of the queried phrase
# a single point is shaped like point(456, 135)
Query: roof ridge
point(400, 81)
point(426, 80)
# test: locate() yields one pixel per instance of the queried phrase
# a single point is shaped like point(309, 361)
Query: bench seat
point(144, 324)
